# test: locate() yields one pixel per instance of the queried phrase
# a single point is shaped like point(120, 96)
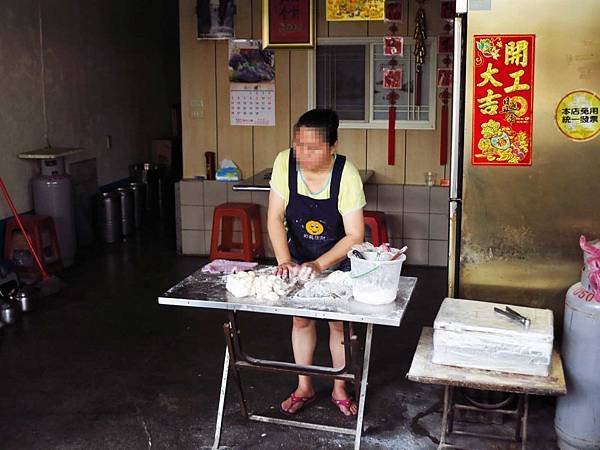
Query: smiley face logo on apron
point(314, 228)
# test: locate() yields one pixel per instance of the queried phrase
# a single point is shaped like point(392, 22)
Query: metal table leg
point(450, 405)
point(219, 424)
point(519, 424)
point(450, 425)
point(524, 421)
point(352, 371)
point(231, 334)
point(363, 386)
point(445, 417)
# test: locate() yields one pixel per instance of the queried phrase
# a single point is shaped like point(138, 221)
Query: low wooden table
point(201, 290)
point(423, 370)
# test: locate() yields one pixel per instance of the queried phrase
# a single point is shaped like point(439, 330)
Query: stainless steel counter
point(260, 181)
point(201, 290)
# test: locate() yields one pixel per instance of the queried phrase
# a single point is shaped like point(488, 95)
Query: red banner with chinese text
point(503, 67)
point(289, 21)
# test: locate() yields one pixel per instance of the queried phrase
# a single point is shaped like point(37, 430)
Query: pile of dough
point(241, 284)
point(245, 284)
point(269, 287)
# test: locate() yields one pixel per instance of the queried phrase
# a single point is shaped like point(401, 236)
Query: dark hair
point(325, 119)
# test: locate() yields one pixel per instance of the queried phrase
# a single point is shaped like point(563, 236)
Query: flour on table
point(336, 284)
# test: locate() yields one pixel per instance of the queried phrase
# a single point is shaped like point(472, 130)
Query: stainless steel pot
point(9, 313)
point(25, 298)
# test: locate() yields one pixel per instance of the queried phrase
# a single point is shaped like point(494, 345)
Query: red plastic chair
point(375, 221)
point(249, 249)
point(42, 233)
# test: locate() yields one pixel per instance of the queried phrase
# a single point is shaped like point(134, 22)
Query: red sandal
point(346, 403)
point(295, 400)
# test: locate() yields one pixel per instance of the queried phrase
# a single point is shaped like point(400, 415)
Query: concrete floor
point(104, 366)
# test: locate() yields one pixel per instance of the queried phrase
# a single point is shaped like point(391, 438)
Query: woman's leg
point(304, 341)
point(338, 358)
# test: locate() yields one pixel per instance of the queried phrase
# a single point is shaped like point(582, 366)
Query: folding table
point(201, 290)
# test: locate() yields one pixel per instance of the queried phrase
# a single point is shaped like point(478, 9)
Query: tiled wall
point(417, 216)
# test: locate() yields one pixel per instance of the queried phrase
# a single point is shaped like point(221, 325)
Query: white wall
point(111, 68)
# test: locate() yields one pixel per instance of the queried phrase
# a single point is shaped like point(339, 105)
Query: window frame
point(370, 123)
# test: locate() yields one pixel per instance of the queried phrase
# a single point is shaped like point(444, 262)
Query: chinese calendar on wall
point(503, 69)
point(252, 104)
point(252, 84)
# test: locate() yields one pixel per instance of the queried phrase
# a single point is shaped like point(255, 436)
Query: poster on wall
point(503, 69)
point(576, 115)
point(393, 46)
point(392, 78)
point(215, 18)
point(394, 11)
point(252, 84)
point(288, 24)
point(344, 10)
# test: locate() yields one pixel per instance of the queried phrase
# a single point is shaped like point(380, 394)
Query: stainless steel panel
point(455, 152)
point(521, 225)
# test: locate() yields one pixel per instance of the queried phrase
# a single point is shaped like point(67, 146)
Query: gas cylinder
point(577, 420)
point(53, 196)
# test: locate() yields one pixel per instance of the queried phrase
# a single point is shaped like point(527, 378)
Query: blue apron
point(314, 226)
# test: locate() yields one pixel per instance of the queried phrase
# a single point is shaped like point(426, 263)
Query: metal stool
point(247, 250)
point(42, 233)
point(375, 221)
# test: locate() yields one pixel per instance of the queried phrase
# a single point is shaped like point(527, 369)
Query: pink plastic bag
point(226, 266)
point(593, 263)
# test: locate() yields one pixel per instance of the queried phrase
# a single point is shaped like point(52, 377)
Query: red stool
point(247, 250)
point(42, 233)
point(375, 220)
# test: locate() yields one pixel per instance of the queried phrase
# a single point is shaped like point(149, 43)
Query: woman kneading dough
point(314, 218)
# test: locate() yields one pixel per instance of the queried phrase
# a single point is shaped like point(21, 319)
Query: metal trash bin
point(127, 210)
point(109, 216)
point(139, 202)
point(149, 175)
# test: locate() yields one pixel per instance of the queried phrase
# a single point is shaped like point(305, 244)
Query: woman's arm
point(278, 234)
point(354, 226)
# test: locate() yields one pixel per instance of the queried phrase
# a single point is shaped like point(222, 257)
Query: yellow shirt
point(351, 196)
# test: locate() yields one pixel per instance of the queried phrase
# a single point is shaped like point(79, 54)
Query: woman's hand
point(287, 269)
point(309, 270)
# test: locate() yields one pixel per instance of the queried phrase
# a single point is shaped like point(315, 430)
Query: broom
point(49, 284)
